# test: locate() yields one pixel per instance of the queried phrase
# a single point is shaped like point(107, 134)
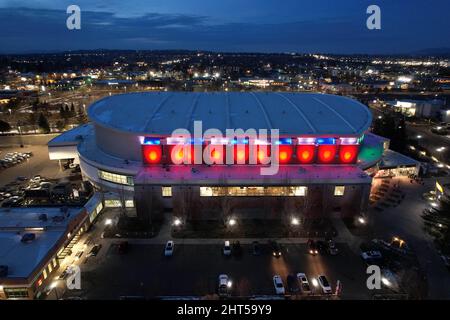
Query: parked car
point(237, 249)
point(322, 247)
point(256, 248)
point(312, 247)
point(304, 283)
point(324, 284)
point(371, 255)
point(224, 285)
point(332, 249)
point(278, 284)
point(292, 284)
point(226, 248)
point(276, 250)
point(168, 249)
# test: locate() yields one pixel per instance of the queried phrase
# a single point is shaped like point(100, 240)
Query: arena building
point(323, 149)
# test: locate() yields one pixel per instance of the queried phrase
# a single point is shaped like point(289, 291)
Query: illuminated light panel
point(179, 155)
point(306, 140)
point(175, 140)
point(284, 154)
point(152, 141)
point(284, 141)
point(325, 141)
point(305, 153)
point(241, 154)
point(262, 154)
point(217, 154)
point(348, 154)
point(327, 153)
point(348, 141)
point(152, 154)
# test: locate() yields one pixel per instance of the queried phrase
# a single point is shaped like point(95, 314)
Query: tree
point(60, 125)
point(4, 126)
point(43, 123)
point(81, 117)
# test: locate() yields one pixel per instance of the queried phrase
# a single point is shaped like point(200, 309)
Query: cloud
point(27, 29)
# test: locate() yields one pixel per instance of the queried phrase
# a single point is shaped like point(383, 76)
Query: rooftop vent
point(28, 237)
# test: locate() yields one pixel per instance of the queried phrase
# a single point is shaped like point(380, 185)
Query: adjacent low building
point(33, 241)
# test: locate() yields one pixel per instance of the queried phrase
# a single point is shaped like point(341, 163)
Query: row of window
point(116, 178)
point(16, 293)
point(256, 191)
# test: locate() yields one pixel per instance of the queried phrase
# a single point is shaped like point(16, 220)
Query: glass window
point(115, 178)
point(254, 191)
point(44, 273)
point(15, 293)
point(339, 190)
point(129, 203)
point(166, 191)
point(113, 203)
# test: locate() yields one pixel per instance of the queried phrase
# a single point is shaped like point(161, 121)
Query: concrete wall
point(119, 144)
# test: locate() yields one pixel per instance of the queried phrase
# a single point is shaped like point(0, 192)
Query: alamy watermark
point(259, 143)
point(73, 21)
point(374, 20)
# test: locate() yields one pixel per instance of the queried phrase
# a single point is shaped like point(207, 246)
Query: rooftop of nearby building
point(22, 258)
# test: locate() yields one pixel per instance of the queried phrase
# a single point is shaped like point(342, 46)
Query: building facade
point(321, 146)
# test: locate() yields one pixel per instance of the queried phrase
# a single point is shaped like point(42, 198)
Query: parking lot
point(38, 164)
point(193, 270)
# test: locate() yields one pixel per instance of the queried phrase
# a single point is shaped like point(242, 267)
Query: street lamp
point(176, 222)
point(362, 220)
point(295, 221)
point(231, 222)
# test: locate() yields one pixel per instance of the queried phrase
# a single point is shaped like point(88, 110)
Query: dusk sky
point(326, 26)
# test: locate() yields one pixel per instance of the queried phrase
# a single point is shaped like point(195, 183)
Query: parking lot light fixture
point(295, 221)
point(176, 222)
point(386, 282)
point(232, 222)
point(362, 220)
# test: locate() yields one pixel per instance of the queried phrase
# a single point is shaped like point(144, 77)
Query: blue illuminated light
point(152, 141)
point(284, 141)
point(239, 141)
point(196, 141)
point(325, 141)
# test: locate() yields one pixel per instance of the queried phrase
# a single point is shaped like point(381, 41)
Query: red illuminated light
point(284, 154)
point(178, 155)
point(327, 153)
point(241, 154)
point(152, 154)
point(263, 154)
point(348, 154)
point(305, 153)
point(216, 155)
